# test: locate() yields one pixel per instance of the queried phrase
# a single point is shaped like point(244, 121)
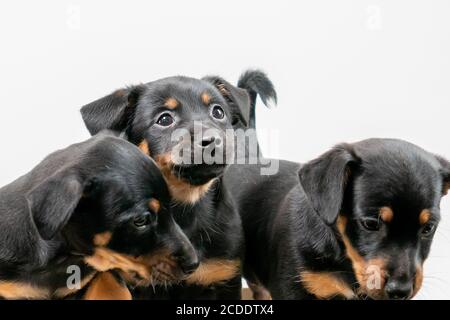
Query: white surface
point(344, 70)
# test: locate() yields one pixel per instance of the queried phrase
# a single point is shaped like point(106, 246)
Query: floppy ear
point(324, 181)
point(238, 99)
point(445, 171)
point(52, 203)
point(113, 111)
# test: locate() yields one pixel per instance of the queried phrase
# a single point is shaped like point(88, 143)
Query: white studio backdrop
point(344, 70)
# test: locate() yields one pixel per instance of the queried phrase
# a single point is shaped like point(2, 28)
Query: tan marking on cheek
point(206, 98)
point(106, 287)
point(144, 147)
point(102, 239)
point(424, 216)
point(171, 103)
point(104, 259)
point(373, 277)
point(20, 290)
point(364, 270)
point(180, 190)
point(142, 269)
point(214, 271)
point(386, 214)
point(154, 205)
point(325, 285)
point(418, 280)
point(350, 250)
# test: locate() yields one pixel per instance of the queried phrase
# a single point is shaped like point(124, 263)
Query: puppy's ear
point(53, 201)
point(113, 112)
point(243, 97)
point(445, 171)
point(324, 181)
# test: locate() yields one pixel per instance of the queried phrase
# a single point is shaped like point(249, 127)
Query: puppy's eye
point(428, 229)
point(371, 224)
point(165, 120)
point(217, 112)
point(142, 221)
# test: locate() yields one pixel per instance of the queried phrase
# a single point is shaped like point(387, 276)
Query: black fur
point(290, 218)
point(50, 216)
point(211, 222)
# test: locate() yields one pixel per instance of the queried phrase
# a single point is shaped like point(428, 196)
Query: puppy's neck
point(186, 193)
point(181, 191)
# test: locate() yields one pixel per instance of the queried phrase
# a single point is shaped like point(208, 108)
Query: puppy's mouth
point(154, 269)
point(188, 183)
point(162, 273)
point(198, 174)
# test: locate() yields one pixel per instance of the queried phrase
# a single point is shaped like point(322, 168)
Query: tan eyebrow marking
point(206, 98)
point(154, 205)
point(171, 103)
point(386, 214)
point(424, 216)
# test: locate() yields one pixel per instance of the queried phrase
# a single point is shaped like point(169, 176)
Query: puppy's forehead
point(395, 172)
point(182, 88)
point(394, 152)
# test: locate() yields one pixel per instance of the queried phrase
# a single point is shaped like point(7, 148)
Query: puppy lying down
point(355, 223)
point(96, 211)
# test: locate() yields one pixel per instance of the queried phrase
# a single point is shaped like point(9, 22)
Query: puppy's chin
point(162, 273)
point(188, 183)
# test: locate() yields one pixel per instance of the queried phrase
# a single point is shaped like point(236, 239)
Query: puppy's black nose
point(190, 265)
point(206, 141)
point(398, 290)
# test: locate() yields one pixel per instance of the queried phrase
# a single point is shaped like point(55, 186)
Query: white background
point(344, 70)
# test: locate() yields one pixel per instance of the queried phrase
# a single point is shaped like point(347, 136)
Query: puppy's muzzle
point(185, 254)
point(211, 141)
point(399, 289)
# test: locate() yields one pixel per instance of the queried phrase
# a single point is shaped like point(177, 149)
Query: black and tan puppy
point(100, 205)
point(357, 222)
point(151, 116)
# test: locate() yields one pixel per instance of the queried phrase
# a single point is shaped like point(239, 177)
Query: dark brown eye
point(142, 221)
point(217, 112)
point(165, 120)
point(428, 229)
point(371, 224)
